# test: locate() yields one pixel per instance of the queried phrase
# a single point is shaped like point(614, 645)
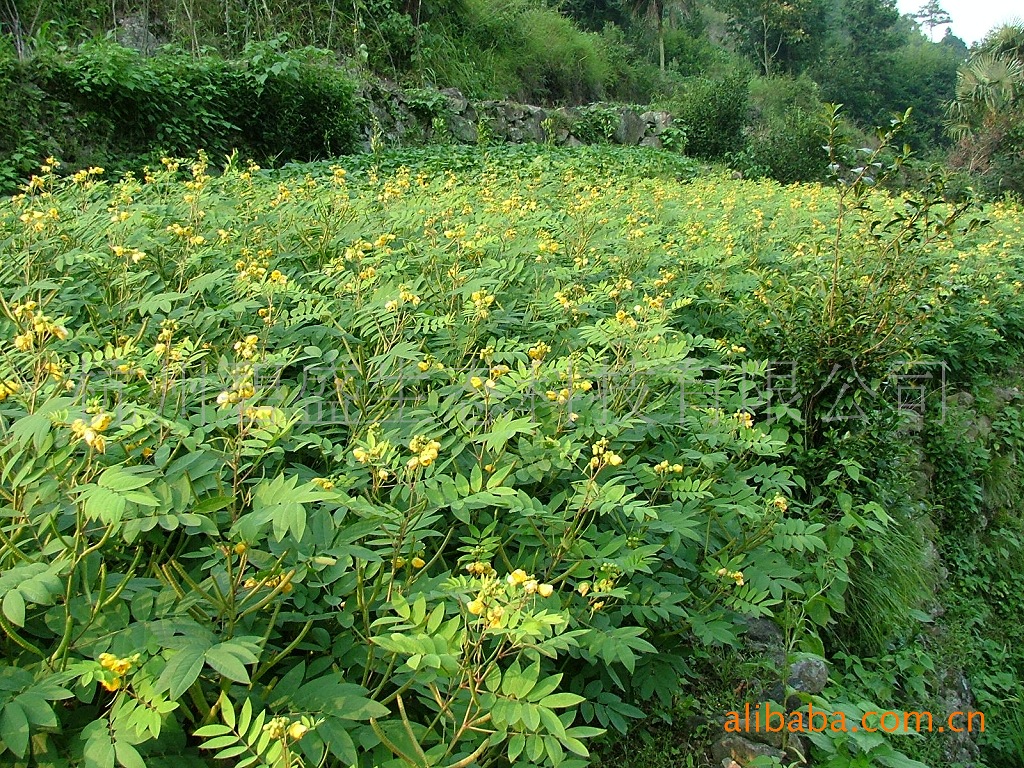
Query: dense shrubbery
point(103, 104)
point(713, 112)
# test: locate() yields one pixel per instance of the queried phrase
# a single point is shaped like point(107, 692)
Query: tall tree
point(654, 11)
point(932, 15)
point(776, 34)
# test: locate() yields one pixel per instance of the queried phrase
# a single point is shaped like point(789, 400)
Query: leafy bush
point(786, 132)
point(712, 112)
point(105, 105)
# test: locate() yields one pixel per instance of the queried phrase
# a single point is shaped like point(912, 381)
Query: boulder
point(456, 100)
point(657, 122)
point(741, 750)
point(808, 676)
point(630, 129)
point(651, 141)
point(461, 129)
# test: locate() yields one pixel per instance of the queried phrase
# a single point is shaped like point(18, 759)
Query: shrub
point(785, 133)
point(712, 112)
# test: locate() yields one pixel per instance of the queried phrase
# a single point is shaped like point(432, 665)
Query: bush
point(712, 112)
point(103, 104)
point(786, 131)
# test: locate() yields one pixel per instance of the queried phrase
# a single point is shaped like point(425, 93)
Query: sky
point(971, 18)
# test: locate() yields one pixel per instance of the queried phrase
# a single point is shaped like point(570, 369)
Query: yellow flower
point(101, 421)
point(423, 365)
point(780, 503)
point(111, 685)
point(545, 590)
point(296, 731)
point(476, 382)
point(517, 577)
point(418, 562)
point(475, 607)
point(494, 617)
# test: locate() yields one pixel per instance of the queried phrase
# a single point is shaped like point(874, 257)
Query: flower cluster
point(404, 295)
point(481, 569)
point(538, 351)
point(134, 255)
point(426, 451)
point(744, 419)
point(91, 432)
point(780, 503)
point(38, 219)
point(482, 301)
point(120, 668)
point(284, 580)
point(242, 389)
point(246, 348)
point(253, 266)
point(8, 388)
point(530, 585)
point(279, 727)
point(602, 456)
point(163, 340)
point(186, 233)
point(736, 576)
point(663, 468)
point(36, 327)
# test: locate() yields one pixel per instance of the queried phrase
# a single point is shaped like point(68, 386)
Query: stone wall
point(401, 118)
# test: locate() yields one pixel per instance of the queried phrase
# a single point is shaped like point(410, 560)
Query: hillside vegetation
point(271, 79)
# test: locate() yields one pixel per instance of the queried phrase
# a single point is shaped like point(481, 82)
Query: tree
point(932, 15)
point(987, 113)
point(774, 32)
point(859, 71)
point(990, 87)
point(653, 10)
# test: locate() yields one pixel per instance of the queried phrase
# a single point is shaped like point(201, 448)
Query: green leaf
point(127, 755)
point(561, 700)
point(14, 607)
point(226, 661)
point(181, 671)
point(14, 728)
point(99, 750)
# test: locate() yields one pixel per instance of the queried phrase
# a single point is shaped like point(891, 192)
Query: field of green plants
point(461, 456)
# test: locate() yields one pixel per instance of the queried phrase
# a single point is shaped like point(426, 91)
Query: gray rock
point(651, 141)
point(136, 31)
point(763, 634)
point(630, 128)
point(955, 696)
point(808, 676)
point(657, 121)
point(572, 141)
point(461, 129)
point(735, 747)
point(456, 100)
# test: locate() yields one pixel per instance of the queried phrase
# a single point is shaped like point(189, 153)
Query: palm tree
point(655, 11)
point(991, 85)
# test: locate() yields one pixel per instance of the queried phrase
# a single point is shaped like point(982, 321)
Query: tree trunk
point(661, 46)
